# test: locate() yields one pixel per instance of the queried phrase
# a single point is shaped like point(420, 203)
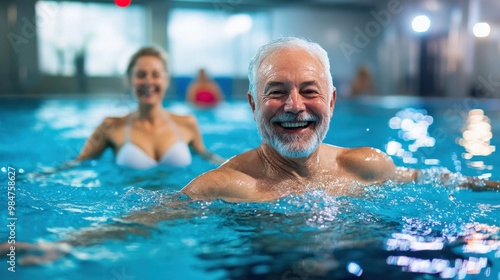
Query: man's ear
point(332, 101)
point(251, 101)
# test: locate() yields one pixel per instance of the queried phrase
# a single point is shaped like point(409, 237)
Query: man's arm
point(140, 223)
point(374, 166)
point(477, 184)
point(457, 179)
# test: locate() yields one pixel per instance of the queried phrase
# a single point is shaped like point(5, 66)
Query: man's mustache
point(289, 117)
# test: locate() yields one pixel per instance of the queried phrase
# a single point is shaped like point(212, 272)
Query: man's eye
point(310, 91)
point(276, 92)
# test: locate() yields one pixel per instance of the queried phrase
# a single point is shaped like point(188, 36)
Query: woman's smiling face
point(149, 80)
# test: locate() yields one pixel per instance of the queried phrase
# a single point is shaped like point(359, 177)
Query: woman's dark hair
point(147, 51)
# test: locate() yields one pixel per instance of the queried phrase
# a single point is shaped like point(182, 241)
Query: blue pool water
point(425, 230)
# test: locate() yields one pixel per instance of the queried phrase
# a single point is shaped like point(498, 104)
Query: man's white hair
point(283, 43)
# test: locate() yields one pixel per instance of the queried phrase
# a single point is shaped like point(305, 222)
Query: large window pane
point(103, 34)
point(221, 43)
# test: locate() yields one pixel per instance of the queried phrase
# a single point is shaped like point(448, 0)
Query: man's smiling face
point(293, 106)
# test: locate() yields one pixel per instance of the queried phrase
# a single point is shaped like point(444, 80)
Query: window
point(101, 36)
point(221, 43)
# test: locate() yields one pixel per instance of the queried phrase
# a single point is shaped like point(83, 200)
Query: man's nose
point(294, 102)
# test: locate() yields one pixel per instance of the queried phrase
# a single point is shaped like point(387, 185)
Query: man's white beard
point(290, 145)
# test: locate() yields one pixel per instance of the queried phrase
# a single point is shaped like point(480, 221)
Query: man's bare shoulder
point(224, 183)
point(232, 181)
point(363, 154)
point(367, 163)
point(244, 162)
point(329, 149)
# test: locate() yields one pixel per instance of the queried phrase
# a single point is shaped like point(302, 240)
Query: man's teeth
point(148, 91)
point(293, 124)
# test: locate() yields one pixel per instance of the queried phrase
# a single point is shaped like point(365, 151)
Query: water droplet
point(451, 197)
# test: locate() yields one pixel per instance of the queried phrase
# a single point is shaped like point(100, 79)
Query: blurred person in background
point(362, 84)
point(204, 92)
point(150, 135)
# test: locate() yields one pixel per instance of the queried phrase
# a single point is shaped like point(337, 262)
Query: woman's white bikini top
point(131, 156)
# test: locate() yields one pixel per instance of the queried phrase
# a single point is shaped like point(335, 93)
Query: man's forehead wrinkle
point(297, 51)
point(275, 61)
point(306, 73)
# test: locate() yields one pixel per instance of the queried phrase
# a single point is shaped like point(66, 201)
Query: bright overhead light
point(421, 24)
point(481, 29)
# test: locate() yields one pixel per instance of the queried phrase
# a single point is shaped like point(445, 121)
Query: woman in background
point(204, 92)
point(150, 135)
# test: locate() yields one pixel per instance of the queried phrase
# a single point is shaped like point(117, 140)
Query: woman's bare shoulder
point(113, 123)
point(188, 118)
point(186, 121)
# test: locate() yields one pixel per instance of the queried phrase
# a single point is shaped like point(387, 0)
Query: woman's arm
point(198, 146)
point(97, 142)
point(93, 147)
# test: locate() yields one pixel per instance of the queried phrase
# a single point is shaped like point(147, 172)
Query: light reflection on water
point(477, 135)
point(479, 239)
point(412, 125)
point(476, 138)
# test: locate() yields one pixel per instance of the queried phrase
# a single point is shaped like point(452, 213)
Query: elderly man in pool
point(293, 98)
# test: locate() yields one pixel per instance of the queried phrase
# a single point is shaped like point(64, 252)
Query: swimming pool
point(413, 231)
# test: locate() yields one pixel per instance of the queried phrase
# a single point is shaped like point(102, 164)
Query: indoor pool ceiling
point(279, 2)
point(488, 11)
point(257, 2)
